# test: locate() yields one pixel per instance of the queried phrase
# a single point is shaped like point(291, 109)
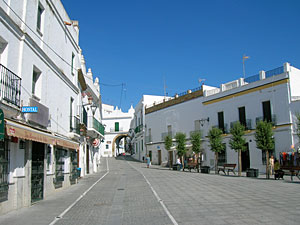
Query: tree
point(168, 145)
point(265, 140)
point(237, 142)
point(196, 145)
point(298, 125)
point(216, 145)
point(181, 149)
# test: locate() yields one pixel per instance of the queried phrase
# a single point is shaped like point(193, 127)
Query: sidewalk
point(45, 211)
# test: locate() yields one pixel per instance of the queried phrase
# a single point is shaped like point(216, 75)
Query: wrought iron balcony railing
point(138, 129)
point(163, 135)
point(272, 119)
point(247, 124)
point(10, 86)
point(98, 126)
point(148, 139)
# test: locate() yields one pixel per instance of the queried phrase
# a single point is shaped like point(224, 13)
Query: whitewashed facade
point(40, 59)
point(117, 125)
point(139, 130)
point(271, 95)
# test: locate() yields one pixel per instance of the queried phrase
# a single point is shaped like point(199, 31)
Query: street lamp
point(93, 107)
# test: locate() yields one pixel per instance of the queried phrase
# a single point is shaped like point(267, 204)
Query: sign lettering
point(29, 109)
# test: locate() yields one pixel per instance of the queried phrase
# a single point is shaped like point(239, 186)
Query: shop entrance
point(37, 171)
point(246, 158)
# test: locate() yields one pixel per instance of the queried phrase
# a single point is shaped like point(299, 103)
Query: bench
point(192, 165)
point(227, 167)
point(290, 170)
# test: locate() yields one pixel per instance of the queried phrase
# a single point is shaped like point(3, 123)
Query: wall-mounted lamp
point(202, 121)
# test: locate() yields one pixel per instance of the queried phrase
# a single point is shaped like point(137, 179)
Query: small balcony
point(271, 119)
point(10, 86)
point(95, 128)
point(138, 129)
point(112, 129)
point(247, 124)
point(224, 129)
point(75, 125)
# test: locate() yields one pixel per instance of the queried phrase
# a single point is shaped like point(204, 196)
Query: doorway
point(87, 159)
point(159, 157)
point(37, 171)
point(246, 158)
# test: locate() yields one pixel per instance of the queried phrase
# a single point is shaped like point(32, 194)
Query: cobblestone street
point(130, 193)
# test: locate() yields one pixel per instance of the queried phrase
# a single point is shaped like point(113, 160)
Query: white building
point(40, 58)
point(117, 125)
point(272, 95)
point(139, 129)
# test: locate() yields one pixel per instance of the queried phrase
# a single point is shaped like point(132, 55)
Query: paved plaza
point(130, 193)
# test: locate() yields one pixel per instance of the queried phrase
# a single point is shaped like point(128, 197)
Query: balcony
point(10, 86)
point(112, 129)
point(94, 127)
point(75, 125)
point(247, 124)
point(224, 129)
point(272, 119)
point(138, 129)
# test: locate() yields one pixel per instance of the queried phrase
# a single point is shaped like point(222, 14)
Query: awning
point(25, 132)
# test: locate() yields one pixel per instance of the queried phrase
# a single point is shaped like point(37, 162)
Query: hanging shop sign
point(29, 109)
point(96, 142)
point(2, 130)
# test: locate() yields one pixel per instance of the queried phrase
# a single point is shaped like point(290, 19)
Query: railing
point(75, 125)
point(196, 131)
point(231, 85)
point(139, 128)
point(148, 139)
point(247, 124)
point(114, 130)
point(252, 78)
point(275, 71)
point(163, 135)
point(10, 86)
point(223, 129)
point(273, 119)
point(98, 126)
point(212, 91)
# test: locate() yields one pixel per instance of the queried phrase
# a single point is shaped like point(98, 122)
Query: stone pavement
point(132, 194)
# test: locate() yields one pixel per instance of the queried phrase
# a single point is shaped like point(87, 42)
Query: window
point(48, 158)
point(40, 13)
point(221, 121)
point(72, 64)
point(242, 116)
point(222, 156)
point(116, 126)
point(107, 146)
point(71, 113)
point(60, 165)
point(142, 144)
point(267, 116)
point(170, 130)
point(3, 45)
point(36, 82)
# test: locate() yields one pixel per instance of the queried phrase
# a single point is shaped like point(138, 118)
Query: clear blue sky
point(141, 43)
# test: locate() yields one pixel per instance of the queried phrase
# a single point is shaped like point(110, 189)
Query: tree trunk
point(182, 162)
point(198, 161)
point(216, 162)
point(240, 163)
point(267, 165)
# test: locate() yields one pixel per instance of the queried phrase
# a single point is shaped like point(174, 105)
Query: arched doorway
point(116, 141)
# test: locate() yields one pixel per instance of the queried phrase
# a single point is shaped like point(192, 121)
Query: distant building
point(117, 126)
point(270, 95)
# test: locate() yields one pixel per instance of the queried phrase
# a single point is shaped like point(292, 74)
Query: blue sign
point(29, 109)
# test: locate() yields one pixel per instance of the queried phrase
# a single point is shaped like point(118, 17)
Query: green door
point(37, 171)
point(116, 126)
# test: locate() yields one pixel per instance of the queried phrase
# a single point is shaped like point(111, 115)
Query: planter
point(205, 169)
point(251, 172)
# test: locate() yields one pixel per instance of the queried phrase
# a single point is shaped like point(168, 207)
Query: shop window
point(59, 167)
point(4, 164)
point(48, 158)
point(74, 174)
